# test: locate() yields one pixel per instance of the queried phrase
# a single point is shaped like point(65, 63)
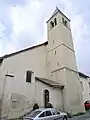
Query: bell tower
point(61, 61)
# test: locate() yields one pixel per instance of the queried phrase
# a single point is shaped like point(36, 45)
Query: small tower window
point(55, 52)
point(55, 21)
point(82, 86)
point(51, 24)
point(28, 76)
point(53, 41)
point(89, 84)
point(64, 22)
point(58, 63)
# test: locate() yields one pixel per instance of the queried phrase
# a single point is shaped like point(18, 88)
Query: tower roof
point(56, 11)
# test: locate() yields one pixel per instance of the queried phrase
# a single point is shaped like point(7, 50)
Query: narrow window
point(58, 63)
point(89, 84)
point(64, 22)
point(28, 76)
point(55, 21)
point(55, 52)
point(52, 24)
point(53, 41)
point(82, 86)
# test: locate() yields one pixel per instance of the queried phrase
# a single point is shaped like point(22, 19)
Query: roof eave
point(32, 47)
point(51, 85)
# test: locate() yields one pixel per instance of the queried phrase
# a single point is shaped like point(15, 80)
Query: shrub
point(69, 115)
point(36, 106)
point(49, 105)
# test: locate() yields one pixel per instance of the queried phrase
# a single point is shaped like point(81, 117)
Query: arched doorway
point(46, 97)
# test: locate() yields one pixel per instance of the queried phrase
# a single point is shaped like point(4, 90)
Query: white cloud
point(2, 37)
point(31, 19)
point(25, 22)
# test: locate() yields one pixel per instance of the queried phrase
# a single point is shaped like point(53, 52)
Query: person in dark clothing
point(35, 106)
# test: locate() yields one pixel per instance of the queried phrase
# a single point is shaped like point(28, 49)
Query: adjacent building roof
point(56, 11)
point(83, 75)
point(50, 82)
point(1, 58)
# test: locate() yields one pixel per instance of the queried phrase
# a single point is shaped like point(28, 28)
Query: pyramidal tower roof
point(56, 11)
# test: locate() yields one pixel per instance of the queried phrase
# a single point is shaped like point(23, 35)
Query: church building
point(43, 73)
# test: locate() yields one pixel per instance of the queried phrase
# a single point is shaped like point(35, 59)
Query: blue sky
point(23, 24)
